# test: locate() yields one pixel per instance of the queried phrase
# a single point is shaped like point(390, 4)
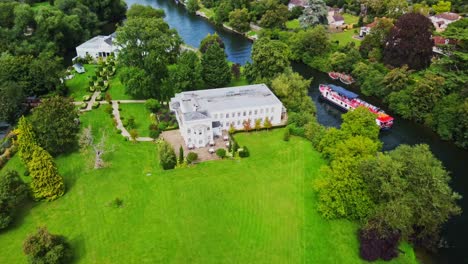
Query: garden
point(240, 211)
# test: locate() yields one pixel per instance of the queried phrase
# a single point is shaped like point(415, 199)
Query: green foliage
point(210, 40)
point(221, 14)
point(149, 45)
point(44, 247)
point(13, 191)
point(215, 67)
point(244, 152)
point(269, 59)
point(153, 105)
point(309, 43)
point(193, 6)
point(55, 124)
point(314, 14)
point(287, 135)
point(11, 97)
point(26, 140)
point(191, 157)
point(292, 89)
point(360, 122)
point(344, 62)
point(239, 19)
point(406, 184)
point(377, 38)
point(181, 155)
point(186, 74)
point(138, 10)
point(442, 6)
point(370, 77)
point(133, 135)
point(221, 153)
point(46, 183)
point(275, 18)
point(167, 156)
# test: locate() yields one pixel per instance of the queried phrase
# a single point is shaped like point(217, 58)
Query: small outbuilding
point(79, 68)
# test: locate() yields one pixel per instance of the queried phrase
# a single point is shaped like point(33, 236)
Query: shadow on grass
point(20, 214)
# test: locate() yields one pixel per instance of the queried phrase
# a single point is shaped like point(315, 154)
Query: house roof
point(196, 105)
point(98, 43)
point(448, 16)
point(298, 3)
point(338, 17)
point(438, 40)
point(373, 24)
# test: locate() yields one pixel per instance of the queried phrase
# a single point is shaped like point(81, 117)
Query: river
point(193, 29)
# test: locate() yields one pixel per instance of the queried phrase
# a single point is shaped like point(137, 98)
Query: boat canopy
point(343, 91)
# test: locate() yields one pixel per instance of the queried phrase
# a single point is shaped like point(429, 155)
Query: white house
point(441, 21)
point(365, 30)
point(205, 114)
point(99, 46)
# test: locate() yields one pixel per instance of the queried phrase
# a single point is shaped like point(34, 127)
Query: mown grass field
point(141, 115)
point(255, 210)
point(78, 86)
point(345, 37)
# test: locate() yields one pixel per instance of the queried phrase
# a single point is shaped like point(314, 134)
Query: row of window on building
point(245, 113)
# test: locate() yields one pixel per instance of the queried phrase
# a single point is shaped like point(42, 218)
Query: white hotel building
point(205, 114)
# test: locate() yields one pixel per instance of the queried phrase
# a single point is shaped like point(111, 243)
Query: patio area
point(174, 138)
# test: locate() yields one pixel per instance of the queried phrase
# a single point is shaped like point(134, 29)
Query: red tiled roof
point(448, 16)
point(438, 40)
point(373, 24)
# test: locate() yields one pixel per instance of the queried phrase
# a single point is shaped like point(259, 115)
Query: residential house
point(98, 47)
point(204, 114)
point(365, 30)
point(441, 21)
point(294, 3)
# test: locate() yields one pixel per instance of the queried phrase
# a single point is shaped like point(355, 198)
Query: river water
point(193, 29)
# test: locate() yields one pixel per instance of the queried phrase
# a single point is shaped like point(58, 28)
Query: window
point(216, 116)
point(261, 111)
point(256, 112)
point(200, 142)
point(272, 109)
point(227, 115)
point(233, 115)
point(208, 129)
point(244, 113)
point(271, 119)
point(189, 140)
point(227, 124)
point(199, 132)
point(238, 114)
point(250, 113)
point(238, 122)
point(188, 130)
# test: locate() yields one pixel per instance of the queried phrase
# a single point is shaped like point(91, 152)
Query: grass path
point(255, 210)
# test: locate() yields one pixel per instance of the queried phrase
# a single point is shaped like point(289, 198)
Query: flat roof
point(223, 99)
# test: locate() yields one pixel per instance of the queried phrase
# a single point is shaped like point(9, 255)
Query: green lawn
point(79, 85)
point(256, 210)
point(141, 115)
point(350, 19)
point(345, 37)
point(293, 24)
point(117, 89)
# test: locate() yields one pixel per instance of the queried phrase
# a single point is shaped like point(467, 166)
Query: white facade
point(99, 46)
point(441, 21)
point(205, 114)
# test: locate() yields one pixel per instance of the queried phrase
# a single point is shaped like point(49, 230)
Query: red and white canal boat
point(348, 100)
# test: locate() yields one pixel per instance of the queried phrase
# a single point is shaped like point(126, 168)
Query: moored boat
point(346, 79)
point(334, 75)
point(348, 100)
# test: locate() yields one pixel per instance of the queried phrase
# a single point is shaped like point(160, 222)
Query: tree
point(376, 39)
point(109, 10)
point(344, 62)
point(397, 79)
point(191, 157)
point(267, 123)
point(215, 67)
point(133, 135)
point(421, 8)
point(426, 93)
point(258, 124)
point(55, 124)
point(409, 42)
point(247, 125)
point(396, 8)
point(221, 153)
point(210, 40)
point(192, 6)
point(293, 89)
point(275, 18)
point(13, 191)
point(442, 6)
point(314, 14)
point(153, 105)
point(26, 140)
point(186, 74)
point(221, 14)
point(138, 10)
point(360, 122)
point(309, 43)
point(44, 247)
point(167, 156)
point(181, 155)
point(46, 183)
point(411, 190)
point(148, 46)
point(270, 58)
point(11, 97)
point(239, 19)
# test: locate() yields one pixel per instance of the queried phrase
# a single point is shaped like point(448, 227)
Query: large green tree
point(275, 18)
point(148, 46)
point(309, 43)
point(215, 67)
point(55, 124)
point(239, 19)
point(186, 74)
point(167, 156)
point(107, 10)
point(13, 191)
point(269, 59)
point(314, 14)
point(11, 97)
point(26, 140)
point(292, 89)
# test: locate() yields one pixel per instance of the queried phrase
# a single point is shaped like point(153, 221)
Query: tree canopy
point(215, 67)
point(269, 59)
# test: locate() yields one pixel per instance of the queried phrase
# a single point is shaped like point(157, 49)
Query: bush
point(99, 97)
point(13, 191)
point(86, 98)
point(131, 122)
point(119, 131)
point(244, 152)
point(108, 109)
point(167, 156)
point(221, 153)
point(95, 105)
point(44, 247)
point(162, 126)
point(154, 134)
point(153, 126)
point(83, 105)
point(286, 135)
point(374, 245)
point(191, 157)
point(92, 89)
point(153, 105)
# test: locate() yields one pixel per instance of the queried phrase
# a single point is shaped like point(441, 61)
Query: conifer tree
point(46, 183)
point(216, 71)
point(26, 140)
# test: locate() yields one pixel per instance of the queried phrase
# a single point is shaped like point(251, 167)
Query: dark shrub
point(153, 127)
point(286, 135)
point(244, 153)
point(221, 153)
point(44, 247)
point(191, 157)
point(374, 245)
point(153, 105)
point(162, 126)
point(154, 133)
